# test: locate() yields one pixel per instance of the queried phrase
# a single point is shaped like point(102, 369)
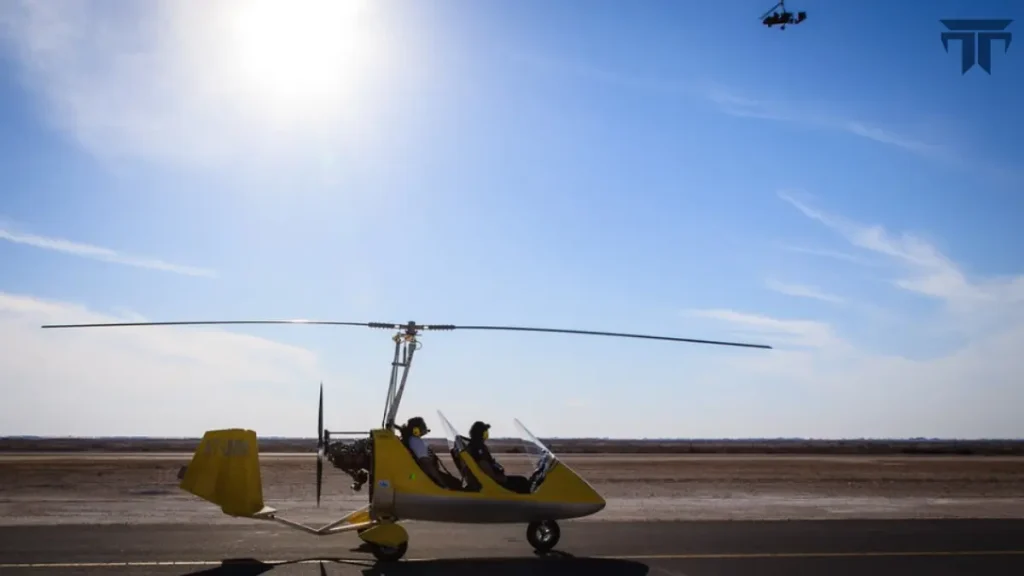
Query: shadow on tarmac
point(551, 564)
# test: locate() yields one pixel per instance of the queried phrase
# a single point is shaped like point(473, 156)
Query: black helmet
point(417, 422)
point(476, 431)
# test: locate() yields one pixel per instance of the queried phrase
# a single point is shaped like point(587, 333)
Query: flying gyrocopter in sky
point(781, 17)
point(225, 468)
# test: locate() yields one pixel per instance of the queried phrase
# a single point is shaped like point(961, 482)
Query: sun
point(295, 59)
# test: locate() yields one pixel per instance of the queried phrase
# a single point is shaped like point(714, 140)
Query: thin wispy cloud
point(735, 105)
point(803, 291)
point(935, 275)
point(803, 333)
point(92, 252)
point(833, 254)
point(896, 372)
point(921, 268)
point(728, 102)
point(739, 106)
point(884, 136)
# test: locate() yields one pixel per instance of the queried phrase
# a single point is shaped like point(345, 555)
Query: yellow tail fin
point(225, 470)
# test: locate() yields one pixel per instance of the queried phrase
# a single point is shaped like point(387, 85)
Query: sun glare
point(296, 59)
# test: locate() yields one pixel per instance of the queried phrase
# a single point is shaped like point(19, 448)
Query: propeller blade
point(320, 446)
point(319, 476)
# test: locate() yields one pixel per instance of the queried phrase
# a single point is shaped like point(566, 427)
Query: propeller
point(320, 447)
point(412, 328)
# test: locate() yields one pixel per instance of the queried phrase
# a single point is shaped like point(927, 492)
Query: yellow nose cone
point(585, 498)
point(590, 500)
point(567, 489)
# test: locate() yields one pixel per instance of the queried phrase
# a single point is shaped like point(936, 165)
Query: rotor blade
point(772, 9)
point(208, 322)
point(413, 326)
point(616, 334)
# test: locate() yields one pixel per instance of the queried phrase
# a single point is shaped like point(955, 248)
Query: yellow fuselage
point(402, 490)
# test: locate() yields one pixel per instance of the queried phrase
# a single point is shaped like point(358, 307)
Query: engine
point(352, 458)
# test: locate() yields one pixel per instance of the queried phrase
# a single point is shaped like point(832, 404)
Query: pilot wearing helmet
point(412, 436)
point(479, 432)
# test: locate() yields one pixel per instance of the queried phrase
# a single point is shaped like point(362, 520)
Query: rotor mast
point(406, 345)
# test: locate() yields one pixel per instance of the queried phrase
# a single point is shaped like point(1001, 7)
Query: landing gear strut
point(543, 535)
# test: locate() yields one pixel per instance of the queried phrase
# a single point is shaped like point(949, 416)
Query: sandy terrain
point(142, 488)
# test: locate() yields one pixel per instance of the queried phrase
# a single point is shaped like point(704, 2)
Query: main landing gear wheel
point(543, 535)
point(388, 553)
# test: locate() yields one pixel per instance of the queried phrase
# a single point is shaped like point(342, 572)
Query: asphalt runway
point(726, 548)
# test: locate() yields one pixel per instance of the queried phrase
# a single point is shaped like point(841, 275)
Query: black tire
point(543, 535)
point(389, 553)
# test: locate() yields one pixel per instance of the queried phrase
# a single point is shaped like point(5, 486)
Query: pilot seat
point(456, 483)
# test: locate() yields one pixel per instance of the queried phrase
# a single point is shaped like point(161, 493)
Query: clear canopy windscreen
point(450, 433)
point(534, 448)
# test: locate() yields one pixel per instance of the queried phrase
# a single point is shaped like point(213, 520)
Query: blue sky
point(838, 190)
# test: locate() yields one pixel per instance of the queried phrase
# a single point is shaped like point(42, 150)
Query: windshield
point(535, 449)
point(449, 432)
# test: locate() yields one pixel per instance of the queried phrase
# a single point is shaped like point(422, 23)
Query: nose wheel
point(543, 535)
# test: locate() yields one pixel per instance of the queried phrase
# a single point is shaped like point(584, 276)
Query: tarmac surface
point(723, 548)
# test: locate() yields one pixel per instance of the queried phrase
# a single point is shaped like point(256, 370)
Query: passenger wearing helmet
point(477, 448)
point(412, 437)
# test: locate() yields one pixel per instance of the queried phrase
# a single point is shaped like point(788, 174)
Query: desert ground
point(115, 487)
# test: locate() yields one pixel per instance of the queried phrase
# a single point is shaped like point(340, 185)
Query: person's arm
point(426, 462)
point(486, 467)
point(428, 466)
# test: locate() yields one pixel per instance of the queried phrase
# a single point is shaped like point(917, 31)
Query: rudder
point(225, 470)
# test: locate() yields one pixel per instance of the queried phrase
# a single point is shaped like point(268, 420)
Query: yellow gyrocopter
point(225, 468)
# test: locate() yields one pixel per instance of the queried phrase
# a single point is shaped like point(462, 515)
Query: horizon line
point(577, 438)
